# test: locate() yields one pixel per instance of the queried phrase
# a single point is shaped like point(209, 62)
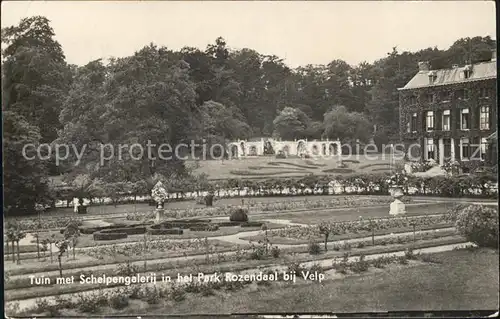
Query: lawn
point(266, 167)
point(456, 280)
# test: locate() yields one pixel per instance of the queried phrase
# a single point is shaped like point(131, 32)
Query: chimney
point(494, 55)
point(424, 66)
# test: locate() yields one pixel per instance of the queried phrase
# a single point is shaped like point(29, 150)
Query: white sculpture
point(397, 207)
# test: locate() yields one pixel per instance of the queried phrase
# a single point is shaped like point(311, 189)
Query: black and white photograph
point(254, 159)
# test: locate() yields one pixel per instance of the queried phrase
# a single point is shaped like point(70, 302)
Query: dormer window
point(432, 77)
point(467, 71)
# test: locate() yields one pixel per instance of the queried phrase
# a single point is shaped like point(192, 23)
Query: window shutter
point(456, 119)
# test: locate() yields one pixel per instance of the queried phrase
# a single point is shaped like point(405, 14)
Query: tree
point(220, 123)
point(291, 124)
point(35, 75)
point(346, 126)
point(144, 99)
point(25, 177)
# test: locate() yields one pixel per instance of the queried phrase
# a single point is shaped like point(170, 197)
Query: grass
point(315, 217)
point(282, 167)
point(464, 280)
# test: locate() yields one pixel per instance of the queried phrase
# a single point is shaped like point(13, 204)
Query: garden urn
point(397, 207)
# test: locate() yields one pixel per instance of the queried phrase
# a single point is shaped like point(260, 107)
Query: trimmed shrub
point(206, 227)
point(128, 230)
point(228, 224)
point(109, 236)
point(165, 231)
point(238, 214)
point(339, 170)
point(252, 224)
point(479, 224)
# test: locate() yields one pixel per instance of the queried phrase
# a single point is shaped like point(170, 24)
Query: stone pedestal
point(397, 207)
point(159, 215)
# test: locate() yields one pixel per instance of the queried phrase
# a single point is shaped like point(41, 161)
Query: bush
point(479, 225)
point(117, 301)
point(314, 248)
point(275, 252)
point(165, 231)
point(238, 214)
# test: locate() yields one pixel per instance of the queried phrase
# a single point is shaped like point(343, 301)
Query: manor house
point(450, 113)
point(302, 147)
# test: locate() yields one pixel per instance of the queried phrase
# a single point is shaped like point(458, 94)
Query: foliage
point(346, 126)
point(479, 224)
point(160, 96)
point(238, 214)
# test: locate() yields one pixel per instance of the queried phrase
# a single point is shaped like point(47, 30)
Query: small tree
point(18, 235)
point(71, 234)
point(266, 239)
point(324, 228)
point(63, 247)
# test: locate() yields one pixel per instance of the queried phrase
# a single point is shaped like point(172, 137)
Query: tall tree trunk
point(18, 253)
point(326, 242)
point(13, 251)
point(37, 245)
point(60, 264)
point(50, 249)
point(74, 254)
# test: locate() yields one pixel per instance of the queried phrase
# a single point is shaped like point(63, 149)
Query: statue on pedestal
point(159, 195)
point(396, 183)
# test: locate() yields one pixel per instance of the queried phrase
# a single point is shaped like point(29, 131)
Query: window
point(412, 100)
point(446, 120)
point(463, 94)
point(466, 149)
point(430, 121)
point(430, 148)
point(465, 119)
point(484, 118)
point(447, 148)
point(445, 96)
point(413, 125)
point(431, 98)
point(484, 93)
point(484, 146)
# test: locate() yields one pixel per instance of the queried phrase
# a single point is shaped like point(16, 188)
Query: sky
point(300, 32)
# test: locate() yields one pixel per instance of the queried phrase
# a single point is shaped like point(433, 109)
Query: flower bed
point(359, 226)
point(137, 248)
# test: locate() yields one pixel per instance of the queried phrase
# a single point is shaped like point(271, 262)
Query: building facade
point(243, 148)
point(449, 114)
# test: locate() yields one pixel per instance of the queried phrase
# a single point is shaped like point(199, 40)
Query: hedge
point(91, 230)
point(449, 186)
point(165, 231)
point(206, 227)
point(252, 224)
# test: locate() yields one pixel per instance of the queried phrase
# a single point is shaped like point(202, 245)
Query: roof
point(480, 71)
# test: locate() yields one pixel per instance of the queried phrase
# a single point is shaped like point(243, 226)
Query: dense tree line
point(166, 96)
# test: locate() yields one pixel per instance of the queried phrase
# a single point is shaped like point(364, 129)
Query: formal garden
point(338, 236)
